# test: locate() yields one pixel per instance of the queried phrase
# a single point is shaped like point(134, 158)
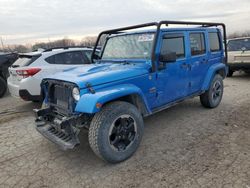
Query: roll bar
point(158, 25)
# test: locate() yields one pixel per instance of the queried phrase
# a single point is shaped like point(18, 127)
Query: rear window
point(25, 60)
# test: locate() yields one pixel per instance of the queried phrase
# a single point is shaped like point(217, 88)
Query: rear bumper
point(239, 66)
point(25, 95)
point(25, 89)
point(13, 89)
point(59, 131)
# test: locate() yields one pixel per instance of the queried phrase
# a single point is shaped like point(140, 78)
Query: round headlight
point(76, 93)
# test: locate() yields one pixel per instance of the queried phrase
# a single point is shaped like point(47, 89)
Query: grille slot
point(59, 134)
point(61, 96)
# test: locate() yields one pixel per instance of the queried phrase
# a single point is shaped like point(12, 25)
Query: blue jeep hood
point(97, 74)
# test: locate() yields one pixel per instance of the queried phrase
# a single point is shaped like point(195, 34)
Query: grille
point(60, 97)
point(242, 58)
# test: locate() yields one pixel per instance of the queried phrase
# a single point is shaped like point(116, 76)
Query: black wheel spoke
point(131, 136)
point(121, 146)
point(116, 141)
point(130, 127)
point(115, 130)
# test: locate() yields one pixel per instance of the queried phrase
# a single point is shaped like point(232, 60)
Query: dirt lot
point(184, 146)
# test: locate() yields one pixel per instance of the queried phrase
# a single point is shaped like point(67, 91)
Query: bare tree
point(239, 34)
point(88, 41)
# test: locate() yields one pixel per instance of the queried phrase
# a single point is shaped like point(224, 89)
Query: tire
point(212, 97)
point(116, 131)
point(247, 71)
point(230, 73)
point(3, 87)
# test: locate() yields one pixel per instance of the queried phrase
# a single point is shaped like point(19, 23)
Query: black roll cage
point(158, 25)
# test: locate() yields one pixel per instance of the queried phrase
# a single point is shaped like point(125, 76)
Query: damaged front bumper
point(59, 129)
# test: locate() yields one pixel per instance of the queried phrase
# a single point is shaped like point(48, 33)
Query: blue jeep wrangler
point(137, 73)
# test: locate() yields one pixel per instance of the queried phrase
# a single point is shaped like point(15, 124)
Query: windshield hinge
point(88, 85)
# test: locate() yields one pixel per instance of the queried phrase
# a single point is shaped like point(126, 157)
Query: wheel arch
point(92, 103)
point(220, 69)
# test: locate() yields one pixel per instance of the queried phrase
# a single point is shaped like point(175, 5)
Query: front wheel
point(212, 97)
point(116, 131)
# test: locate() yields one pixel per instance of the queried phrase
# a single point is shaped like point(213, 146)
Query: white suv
point(28, 71)
point(239, 55)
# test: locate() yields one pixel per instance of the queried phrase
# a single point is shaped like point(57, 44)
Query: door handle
point(205, 61)
point(186, 66)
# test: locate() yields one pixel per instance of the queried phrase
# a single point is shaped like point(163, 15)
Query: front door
point(172, 79)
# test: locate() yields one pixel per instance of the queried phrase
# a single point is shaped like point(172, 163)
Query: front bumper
point(58, 130)
point(239, 66)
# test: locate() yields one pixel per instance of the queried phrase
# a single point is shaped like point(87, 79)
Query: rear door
point(198, 58)
point(215, 48)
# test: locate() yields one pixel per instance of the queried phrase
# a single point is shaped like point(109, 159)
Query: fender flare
point(88, 101)
point(211, 72)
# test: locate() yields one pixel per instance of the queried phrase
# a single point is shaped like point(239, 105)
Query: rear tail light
point(27, 72)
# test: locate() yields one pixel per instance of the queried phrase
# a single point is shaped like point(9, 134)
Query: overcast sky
point(28, 21)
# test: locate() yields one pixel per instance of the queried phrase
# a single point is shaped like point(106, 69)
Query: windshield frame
point(126, 34)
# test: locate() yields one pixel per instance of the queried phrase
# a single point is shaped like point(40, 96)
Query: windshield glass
point(132, 46)
point(239, 44)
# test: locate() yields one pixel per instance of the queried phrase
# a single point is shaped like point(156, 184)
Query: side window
point(173, 44)
point(197, 43)
point(214, 42)
point(88, 54)
point(67, 58)
point(51, 59)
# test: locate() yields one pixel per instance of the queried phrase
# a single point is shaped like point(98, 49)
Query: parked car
point(137, 74)
point(238, 55)
point(6, 60)
point(28, 71)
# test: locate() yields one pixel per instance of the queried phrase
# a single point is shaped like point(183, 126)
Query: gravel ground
point(184, 146)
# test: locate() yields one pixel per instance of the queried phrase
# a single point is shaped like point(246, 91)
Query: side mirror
point(168, 57)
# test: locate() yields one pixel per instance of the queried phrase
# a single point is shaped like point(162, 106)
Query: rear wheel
point(212, 97)
point(3, 87)
point(116, 131)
